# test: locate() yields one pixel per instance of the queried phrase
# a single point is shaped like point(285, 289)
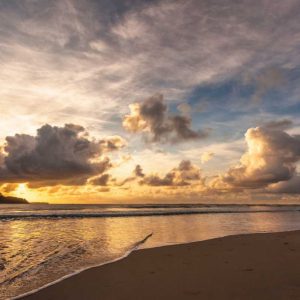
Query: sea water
point(41, 244)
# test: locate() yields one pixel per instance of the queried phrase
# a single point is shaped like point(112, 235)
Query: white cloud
point(270, 158)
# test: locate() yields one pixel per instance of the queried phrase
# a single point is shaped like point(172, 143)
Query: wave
point(52, 215)
point(134, 247)
point(52, 257)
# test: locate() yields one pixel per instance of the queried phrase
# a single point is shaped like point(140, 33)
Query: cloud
point(102, 180)
point(84, 61)
point(112, 143)
point(167, 180)
point(2, 156)
point(216, 43)
point(267, 80)
point(207, 156)
point(56, 155)
point(182, 175)
point(291, 186)
point(134, 122)
point(151, 116)
point(270, 158)
point(108, 53)
point(8, 187)
point(279, 124)
point(138, 171)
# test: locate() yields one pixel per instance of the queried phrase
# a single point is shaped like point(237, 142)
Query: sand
point(257, 266)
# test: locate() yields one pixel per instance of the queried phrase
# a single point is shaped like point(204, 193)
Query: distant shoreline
point(254, 266)
point(12, 200)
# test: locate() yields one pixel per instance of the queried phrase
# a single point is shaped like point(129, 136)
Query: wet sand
point(257, 266)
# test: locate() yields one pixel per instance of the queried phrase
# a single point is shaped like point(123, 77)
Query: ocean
point(42, 244)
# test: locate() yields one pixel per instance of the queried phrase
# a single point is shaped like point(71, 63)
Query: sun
point(22, 190)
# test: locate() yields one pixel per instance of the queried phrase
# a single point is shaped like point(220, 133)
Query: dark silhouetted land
point(12, 200)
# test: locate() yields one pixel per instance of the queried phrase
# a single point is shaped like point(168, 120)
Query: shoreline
point(163, 272)
point(126, 254)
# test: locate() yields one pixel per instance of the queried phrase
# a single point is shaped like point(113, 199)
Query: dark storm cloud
point(152, 116)
point(55, 155)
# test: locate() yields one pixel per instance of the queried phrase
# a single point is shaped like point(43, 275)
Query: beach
point(254, 266)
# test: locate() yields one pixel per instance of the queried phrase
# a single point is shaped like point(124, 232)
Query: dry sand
point(257, 266)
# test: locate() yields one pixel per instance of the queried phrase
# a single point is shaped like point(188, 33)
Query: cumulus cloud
point(151, 116)
point(291, 186)
point(56, 155)
point(112, 143)
point(182, 175)
point(270, 158)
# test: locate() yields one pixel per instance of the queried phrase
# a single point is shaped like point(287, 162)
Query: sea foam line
point(134, 214)
point(126, 254)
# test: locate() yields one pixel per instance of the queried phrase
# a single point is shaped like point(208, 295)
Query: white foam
point(126, 254)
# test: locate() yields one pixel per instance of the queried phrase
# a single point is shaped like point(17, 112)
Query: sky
point(128, 101)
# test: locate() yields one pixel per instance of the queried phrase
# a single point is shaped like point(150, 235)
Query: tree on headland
point(12, 200)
